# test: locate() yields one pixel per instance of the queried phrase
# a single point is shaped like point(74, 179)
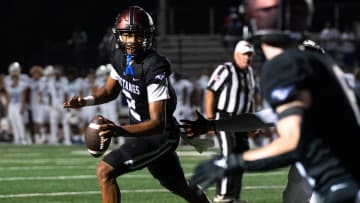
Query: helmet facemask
point(133, 43)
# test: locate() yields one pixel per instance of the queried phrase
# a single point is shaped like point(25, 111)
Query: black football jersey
point(149, 83)
point(330, 133)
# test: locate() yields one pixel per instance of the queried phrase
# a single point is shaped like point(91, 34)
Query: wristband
point(89, 100)
point(212, 125)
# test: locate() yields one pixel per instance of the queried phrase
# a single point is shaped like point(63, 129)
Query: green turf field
point(61, 174)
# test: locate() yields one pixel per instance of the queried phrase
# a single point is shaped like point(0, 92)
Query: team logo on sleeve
point(160, 76)
point(282, 93)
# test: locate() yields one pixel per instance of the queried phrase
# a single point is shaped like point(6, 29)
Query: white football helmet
point(49, 70)
point(102, 71)
point(14, 68)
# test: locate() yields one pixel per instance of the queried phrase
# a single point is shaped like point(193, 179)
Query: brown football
point(95, 143)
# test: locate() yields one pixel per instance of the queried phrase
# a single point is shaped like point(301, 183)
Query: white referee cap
point(244, 47)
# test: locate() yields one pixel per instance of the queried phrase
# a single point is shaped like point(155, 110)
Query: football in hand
point(96, 144)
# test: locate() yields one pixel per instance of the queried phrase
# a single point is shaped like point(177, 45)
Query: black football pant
point(230, 186)
point(156, 152)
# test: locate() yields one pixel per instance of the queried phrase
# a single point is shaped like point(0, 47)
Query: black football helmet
point(136, 22)
point(278, 21)
point(312, 46)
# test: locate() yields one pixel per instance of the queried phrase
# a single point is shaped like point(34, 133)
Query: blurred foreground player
point(318, 113)
point(141, 74)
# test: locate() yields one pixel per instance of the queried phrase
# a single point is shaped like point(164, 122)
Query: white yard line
point(49, 160)
point(86, 158)
point(93, 167)
point(29, 168)
point(22, 154)
point(48, 178)
point(262, 187)
point(49, 194)
point(62, 167)
point(130, 176)
point(180, 153)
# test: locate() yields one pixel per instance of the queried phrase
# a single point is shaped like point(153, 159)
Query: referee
point(230, 92)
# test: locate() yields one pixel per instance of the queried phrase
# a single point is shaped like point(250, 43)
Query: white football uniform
point(14, 114)
point(183, 89)
point(74, 89)
point(37, 88)
point(109, 110)
point(25, 80)
point(88, 112)
point(58, 90)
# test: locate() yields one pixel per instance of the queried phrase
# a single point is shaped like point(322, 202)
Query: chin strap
point(129, 69)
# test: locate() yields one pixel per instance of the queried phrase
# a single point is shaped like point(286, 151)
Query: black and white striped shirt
point(234, 88)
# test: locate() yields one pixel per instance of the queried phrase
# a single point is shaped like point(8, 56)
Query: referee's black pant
point(230, 186)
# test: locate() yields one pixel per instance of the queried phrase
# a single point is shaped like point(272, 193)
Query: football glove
point(198, 127)
point(216, 168)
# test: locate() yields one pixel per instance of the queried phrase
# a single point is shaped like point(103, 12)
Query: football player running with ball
point(141, 75)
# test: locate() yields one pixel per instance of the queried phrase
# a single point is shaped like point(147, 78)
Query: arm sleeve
point(235, 163)
point(243, 123)
point(113, 74)
point(158, 91)
point(156, 79)
point(272, 162)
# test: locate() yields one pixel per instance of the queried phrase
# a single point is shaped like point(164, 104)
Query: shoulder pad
point(154, 61)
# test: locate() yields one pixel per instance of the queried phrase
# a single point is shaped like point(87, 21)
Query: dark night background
point(33, 31)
